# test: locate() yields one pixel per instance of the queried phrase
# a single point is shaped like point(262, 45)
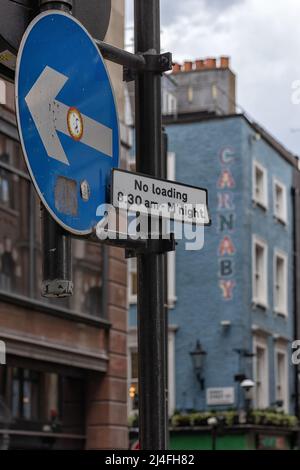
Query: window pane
point(133, 276)
point(261, 377)
point(87, 277)
point(27, 400)
point(259, 184)
point(259, 291)
point(14, 236)
point(51, 382)
point(133, 283)
point(280, 202)
point(134, 395)
point(16, 394)
point(280, 376)
point(15, 213)
point(260, 193)
point(280, 284)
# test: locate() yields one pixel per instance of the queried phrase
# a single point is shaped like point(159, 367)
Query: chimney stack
point(188, 66)
point(176, 68)
point(200, 64)
point(211, 63)
point(224, 62)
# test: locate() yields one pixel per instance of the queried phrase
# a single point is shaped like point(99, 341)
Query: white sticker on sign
point(8, 59)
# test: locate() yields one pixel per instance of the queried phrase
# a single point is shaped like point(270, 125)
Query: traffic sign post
point(152, 326)
point(56, 243)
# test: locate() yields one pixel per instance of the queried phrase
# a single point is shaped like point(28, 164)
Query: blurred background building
point(64, 385)
point(232, 306)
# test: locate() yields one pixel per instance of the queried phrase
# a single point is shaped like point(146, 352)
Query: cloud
point(263, 41)
point(176, 10)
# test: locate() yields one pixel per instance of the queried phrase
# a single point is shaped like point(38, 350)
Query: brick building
point(64, 385)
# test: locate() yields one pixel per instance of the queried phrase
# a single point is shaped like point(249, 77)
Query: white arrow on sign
point(51, 116)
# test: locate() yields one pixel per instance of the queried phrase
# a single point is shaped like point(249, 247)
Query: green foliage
point(179, 420)
point(133, 420)
point(231, 417)
point(272, 418)
point(228, 418)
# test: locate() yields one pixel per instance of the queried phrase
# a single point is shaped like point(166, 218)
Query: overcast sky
point(262, 37)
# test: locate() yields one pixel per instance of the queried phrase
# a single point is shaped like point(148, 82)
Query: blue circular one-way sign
point(67, 119)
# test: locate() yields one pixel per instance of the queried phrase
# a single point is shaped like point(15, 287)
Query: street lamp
point(198, 361)
point(213, 423)
point(248, 386)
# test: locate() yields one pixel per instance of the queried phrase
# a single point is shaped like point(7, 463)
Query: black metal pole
point(57, 260)
point(151, 319)
point(214, 438)
point(56, 242)
point(164, 169)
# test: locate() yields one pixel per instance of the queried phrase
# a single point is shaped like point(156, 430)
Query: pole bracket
point(135, 246)
point(155, 63)
point(158, 63)
point(153, 247)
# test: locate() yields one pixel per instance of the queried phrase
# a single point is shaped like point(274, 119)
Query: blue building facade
point(235, 296)
point(216, 299)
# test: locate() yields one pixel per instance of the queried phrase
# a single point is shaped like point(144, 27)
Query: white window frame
point(282, 217)
point(261, 343)
point(263, 301)
point(264, 201)
point(277, 309)
point(280, 349)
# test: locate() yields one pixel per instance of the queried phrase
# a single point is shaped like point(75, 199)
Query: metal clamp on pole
point(56, 242)
point(64, 5)
point(57, 259)
point(157, 63)
point(153, 247)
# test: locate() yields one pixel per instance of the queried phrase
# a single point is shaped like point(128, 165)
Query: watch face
point(75, 123)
